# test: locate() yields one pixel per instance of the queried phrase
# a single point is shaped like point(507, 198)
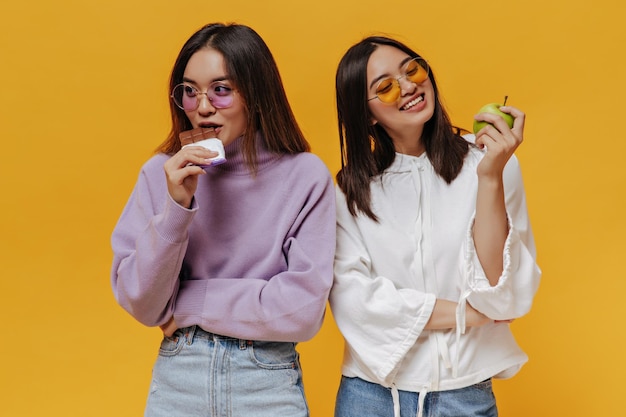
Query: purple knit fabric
point(252, 258)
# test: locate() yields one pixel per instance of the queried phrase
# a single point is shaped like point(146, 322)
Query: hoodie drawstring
point(460, 329)
point(420, 402)
point(395, 395)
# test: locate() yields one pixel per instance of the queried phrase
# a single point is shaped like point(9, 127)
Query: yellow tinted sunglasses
point(389, 91)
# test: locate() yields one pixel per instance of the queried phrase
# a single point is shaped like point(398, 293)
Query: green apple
point(495, 109)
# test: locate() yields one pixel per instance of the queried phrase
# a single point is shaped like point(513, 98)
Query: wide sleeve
point(288, 306)
point(513, 295)
point(379, 322)
point(149, 244)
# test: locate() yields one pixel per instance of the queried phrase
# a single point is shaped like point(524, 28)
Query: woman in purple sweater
point(232, 261)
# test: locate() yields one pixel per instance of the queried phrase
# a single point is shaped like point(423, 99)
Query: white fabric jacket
point(388, 275)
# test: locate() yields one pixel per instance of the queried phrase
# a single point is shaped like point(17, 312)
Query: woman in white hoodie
point(435, 254)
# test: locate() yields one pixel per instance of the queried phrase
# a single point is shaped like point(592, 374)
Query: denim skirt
point(198, 373)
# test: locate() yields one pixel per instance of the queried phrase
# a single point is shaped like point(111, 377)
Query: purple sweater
point(252, 258)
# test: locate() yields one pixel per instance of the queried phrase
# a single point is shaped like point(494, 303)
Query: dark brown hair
point(366, 149)
point(253, 71)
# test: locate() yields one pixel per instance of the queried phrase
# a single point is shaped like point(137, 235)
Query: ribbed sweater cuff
point(173, 223)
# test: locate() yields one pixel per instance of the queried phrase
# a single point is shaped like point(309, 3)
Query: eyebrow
point(380, 77)
point(214, 80)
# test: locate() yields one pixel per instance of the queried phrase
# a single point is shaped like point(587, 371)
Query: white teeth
point(413, 103)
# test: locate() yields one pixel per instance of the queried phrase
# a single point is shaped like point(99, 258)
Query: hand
point(169, 328)
point(443, 316)
point(182, 174)
point(474, 318)
point(499, 140)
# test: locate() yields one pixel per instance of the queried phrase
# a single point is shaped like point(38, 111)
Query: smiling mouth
point(412, 103)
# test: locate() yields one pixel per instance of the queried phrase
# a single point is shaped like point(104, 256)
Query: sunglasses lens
point(417, 71)
point(221, 96)
point(388, 90)
point(185, 97)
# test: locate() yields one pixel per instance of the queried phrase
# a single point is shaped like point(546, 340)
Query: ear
point(373, 121)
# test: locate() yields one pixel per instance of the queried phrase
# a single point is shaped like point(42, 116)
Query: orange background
point(83, 103)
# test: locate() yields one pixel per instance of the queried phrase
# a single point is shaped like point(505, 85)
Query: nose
point(406, 85)
point(204, 105)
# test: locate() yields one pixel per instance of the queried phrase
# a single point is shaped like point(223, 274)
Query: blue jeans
point(359, 398)
point(201, 374)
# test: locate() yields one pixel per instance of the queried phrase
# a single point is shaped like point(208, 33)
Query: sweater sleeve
point(513, 295)
point(379, 322)
point(149, 243)
point(288, 306)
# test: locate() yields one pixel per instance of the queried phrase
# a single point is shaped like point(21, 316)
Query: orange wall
point(83, 103)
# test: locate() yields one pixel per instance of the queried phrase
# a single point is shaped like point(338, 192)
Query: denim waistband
point(197, 332)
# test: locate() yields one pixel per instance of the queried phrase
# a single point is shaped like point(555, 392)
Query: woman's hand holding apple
point(500, 138)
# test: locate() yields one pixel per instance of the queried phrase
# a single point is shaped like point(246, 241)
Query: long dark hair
point(253, 71)
point(366, 149)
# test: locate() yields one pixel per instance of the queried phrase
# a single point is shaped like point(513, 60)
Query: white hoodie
point(388, 275)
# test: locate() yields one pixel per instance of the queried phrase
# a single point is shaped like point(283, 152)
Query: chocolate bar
point(196, 135)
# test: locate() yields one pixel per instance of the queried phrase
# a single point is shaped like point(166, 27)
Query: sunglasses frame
point(200, 93)
point(395, 81)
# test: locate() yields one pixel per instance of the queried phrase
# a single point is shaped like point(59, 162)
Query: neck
point(409, 147)
point(407, 141)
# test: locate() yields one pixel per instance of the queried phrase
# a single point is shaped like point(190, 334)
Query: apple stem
point(505, 99)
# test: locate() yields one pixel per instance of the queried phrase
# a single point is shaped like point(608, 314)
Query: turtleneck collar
point(235, 161)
